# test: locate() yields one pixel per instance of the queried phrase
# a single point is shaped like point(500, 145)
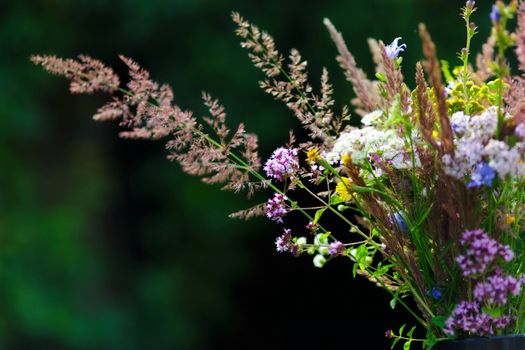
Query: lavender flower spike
point(393, 50)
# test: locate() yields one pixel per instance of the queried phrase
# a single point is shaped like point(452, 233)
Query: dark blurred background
point(104, 244)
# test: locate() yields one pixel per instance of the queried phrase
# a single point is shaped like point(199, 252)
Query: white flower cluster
point(474, 142)
point(361, 143)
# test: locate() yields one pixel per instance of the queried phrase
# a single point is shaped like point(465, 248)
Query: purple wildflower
point(294, 249)
point(495, 14)
point(312, 228)
point(336, 248)
point(468, 318)
point(284, 242)
point(520, 130)
point(481, 251)
point(276, 207)
point(497, 288)
point(283, 164)
point(471, 3)
point(393, 50)
point(389, 333)
point(483, 176)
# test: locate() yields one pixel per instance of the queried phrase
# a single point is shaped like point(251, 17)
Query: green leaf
point(381, 77)
point(393, 302)
point(445, 68)
point(494, 312)
point(406, 346)
point(325, 236)
point(335, 200)
point(438, 321)
point(411, 331)
point(318, 215)
point(394, 342)
point(429, 343)
point(425, 215)
point(401, 329)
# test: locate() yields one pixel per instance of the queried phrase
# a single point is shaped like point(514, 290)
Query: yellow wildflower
point(347, 160)
point(510, 219)
point(312, 155)
point(344, 189)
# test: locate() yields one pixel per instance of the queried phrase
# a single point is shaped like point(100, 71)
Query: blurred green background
point(104, 244)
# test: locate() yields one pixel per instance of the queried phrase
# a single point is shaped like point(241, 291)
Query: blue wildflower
point(436, 293)
point(393, 50)
point(495, 14)
point(483, 176)
point(399, 222)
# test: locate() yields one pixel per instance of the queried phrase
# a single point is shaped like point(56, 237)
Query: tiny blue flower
point(495, 14)
point(483, 176)
point(393, 50)
point(436, 293)
point(399, 222)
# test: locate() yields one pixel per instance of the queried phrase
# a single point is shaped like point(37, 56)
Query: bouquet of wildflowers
point(429, 185)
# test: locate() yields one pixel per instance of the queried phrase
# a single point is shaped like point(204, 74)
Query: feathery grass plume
point(291, 86)
point(426, 113)
point(433, 70)
point(453, 211)
point(87, 74)
point(247, 214)
point(520, 36)
point(394, 81)
point(375, 50)
point(515, 103)
point(514, 99)
point(365, 90)
point(146, 110)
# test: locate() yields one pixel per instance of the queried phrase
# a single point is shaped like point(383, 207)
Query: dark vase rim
point(495, 342)
point(491, 337)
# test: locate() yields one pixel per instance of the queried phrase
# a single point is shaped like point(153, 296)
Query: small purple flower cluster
point(276, 207)
point(284, 243)
point(283, 164)
point(312, 227)
point(489, 291)
point(467, 317)
point(336, 248)
point(481, 251)
point(496, 288)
